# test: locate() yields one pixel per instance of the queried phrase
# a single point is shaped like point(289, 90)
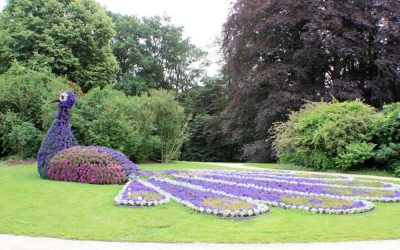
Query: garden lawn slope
point(32, 206)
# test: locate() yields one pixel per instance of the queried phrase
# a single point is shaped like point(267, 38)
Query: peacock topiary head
point(65, 99)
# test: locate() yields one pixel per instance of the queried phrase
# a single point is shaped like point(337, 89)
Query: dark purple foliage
point(282, 52)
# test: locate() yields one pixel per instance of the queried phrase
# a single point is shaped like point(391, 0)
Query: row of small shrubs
point(341, 135)
point(151, 126)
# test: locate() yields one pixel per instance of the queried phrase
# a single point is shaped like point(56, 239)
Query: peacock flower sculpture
point(60, 157)
point(225, 193)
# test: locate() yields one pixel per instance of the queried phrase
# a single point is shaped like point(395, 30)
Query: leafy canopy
point(281, 52)
point(153, 54)
point(70, 38)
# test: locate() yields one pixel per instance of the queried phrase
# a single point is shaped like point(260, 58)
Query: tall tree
point(282, 52)
point(207, 141)
point(152, 53)
point(67, 37)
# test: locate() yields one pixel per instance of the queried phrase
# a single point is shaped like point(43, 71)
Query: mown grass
point(32, 206)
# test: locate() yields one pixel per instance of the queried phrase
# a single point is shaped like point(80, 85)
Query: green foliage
point(171, 123)
point(25, 140)
point(389, 138)
point(145, 127)
point(22, 94)
point(24, 91)
point(8, 121)
point(18, 137)
point(396, 166)
point(355, 154)
point(68, 38)
point(207, 141)
point(152, 53)
point(328, 135)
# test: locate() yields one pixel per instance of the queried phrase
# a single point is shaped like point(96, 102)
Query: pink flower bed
point(87, 165)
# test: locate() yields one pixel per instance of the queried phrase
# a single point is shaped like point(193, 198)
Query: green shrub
point(22, 94)
point(109, 118)
point(396, 166)
point(8, 121)
point(355, 154)
point(327, 135)
point(24, 91)
point(388, 136)
point(25, 140)
point(171, 124)
point(142, 127)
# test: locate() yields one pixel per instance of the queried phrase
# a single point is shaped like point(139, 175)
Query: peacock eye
point(63, 97)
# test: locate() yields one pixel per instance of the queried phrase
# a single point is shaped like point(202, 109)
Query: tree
point(152, 53)
point(281, 52)
point(207, 141)
point(70, 38)
point(171, 123)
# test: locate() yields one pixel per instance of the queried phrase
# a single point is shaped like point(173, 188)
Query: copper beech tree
point(282, 52)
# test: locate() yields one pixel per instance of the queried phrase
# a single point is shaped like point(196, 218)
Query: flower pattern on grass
point(137, 193)
point(208, 201)
point(234, 193)
point(391, 193)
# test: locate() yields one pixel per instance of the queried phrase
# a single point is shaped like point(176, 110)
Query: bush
point(22, 94)
point(25, 140)
point(328, 135)
point(8, 121)
point(171, 124)
point(88, 165)
point(136, 126)
point(24, 91)
point(388, 137)
point(355, 154)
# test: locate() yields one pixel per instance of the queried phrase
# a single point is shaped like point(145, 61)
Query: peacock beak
point(55, 100)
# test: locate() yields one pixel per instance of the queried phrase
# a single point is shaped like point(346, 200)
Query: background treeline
point(278, 55)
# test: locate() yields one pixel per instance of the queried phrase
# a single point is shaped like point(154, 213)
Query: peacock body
point(61, 158)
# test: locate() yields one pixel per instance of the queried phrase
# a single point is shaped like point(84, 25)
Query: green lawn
point(32, 206)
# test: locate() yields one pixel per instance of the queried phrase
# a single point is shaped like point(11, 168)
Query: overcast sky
point(202, 19)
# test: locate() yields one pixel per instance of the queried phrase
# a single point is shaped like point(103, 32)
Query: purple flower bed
point(368, 193)
point(88, 165)
point(316, 204)
point(136, 193)
point(208, 201)
point(232, 193)
point(295, 178)
point(119, 157)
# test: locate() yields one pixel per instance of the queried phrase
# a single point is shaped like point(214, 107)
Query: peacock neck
point(63, 115)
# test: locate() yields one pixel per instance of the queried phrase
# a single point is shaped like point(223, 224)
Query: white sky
point(202, 19)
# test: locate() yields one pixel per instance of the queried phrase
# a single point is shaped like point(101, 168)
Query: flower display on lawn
point(208, 201)
point(234, 193)
point(138, 193)
point(60, 157)
point(59, 136)
point(95, 165)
